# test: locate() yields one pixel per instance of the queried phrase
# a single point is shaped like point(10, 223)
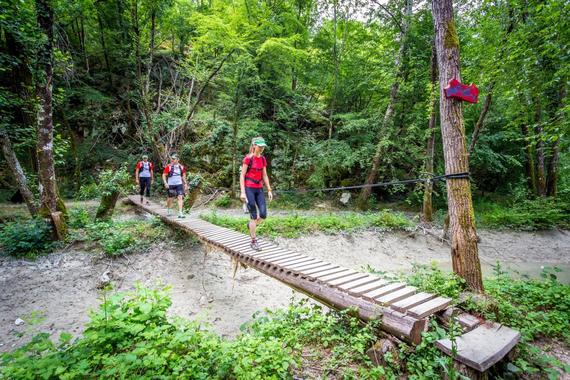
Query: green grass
point(297, 225)
point(537, 214)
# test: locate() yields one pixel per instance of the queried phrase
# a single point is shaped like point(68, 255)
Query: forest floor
point(54, 293)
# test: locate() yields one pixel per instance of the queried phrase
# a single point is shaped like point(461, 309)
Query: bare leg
point(168, 203)
point(180, 204)
point(251, 226)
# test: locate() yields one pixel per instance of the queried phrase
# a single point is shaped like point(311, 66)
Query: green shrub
point(537, 214)
point(78, 218)
point(296, 225)
point(88, 192)
point(26, 239)
point(117, 238)
point(224, 201)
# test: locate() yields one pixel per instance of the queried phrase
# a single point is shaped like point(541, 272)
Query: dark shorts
point(175, 190)
point(145, 186)
point(255, 202)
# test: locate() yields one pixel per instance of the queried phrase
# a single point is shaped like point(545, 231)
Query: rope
point(433, 178)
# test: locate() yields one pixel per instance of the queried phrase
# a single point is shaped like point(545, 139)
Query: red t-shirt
point(254, 177)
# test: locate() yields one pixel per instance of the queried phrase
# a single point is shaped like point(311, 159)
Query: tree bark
point(552, 179)
point(427, 209)
point(107, 206)
point(464, 250)
point(389, 114)
point(530, 168)
point(14, 165)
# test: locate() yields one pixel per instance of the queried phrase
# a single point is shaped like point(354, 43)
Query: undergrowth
point(537, 214)
point(27, 238)
point(296, 225)
point(132, 335)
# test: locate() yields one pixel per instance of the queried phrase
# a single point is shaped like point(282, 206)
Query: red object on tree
point(461, 91)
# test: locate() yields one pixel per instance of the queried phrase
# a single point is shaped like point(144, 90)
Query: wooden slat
point(482, 347)
point(398, 295)
point(272, 256)
point(334, 276)
point(383, 290)
point(293, 260)
point(344, 280)
point(328, 272)
point(301, 268)
point(317, 270)
point(368, 287)
point(430, 307)
point(281, 252)
point(415, 300)
point(466, 320)
point(363, 281)
point(270, 251)
point(297, 264)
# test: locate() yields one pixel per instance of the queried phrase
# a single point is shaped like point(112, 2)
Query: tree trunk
point(104, 46)
point(388, 115)
point(427, 209)
point(530, 168)
point(464, 250)
point(552, 179)
point(50, 202)
point(540, 154)
point(14, 165)
point(107, 206)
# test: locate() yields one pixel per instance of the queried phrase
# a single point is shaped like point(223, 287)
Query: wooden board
point(466, 320)
point(344, 280)
point(383, 290)
point(482, 347)
point(415, 300)
point(292, 261)
point(397, 295)
point(429, 307)
point(368, 287)
point(302, 268)
point(299, 264)
point(334, 276)
point(328, 272)
point(355, 284)
point(320, 269)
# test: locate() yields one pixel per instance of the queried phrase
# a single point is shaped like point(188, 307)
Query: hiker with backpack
point(252, 178)
point(174, 179)
point(144, 176)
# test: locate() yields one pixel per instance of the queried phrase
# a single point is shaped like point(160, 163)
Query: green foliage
point(537, 214)
point(113, 180)
point(88, 192)
point(26, 238)
point(296, 225)
point(78, 218)
point(224, 201)
point(122, 237)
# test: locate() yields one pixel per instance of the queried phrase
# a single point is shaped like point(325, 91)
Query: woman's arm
point(266, 181)
point(242, 181)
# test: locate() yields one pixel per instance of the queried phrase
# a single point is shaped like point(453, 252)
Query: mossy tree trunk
point(107, 206)
point(464, 250)
point(49, 197)
point(427, 209)
point(19, 175)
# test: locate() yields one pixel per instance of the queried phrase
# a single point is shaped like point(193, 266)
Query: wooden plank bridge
point(403, 310)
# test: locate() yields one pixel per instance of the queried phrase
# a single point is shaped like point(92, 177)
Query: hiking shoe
point(181, 215)
point(255, 245)
point(168, 212)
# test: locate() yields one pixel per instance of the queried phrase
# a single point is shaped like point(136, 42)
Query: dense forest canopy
point(313, 77)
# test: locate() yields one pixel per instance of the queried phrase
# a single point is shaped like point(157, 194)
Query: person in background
point(174, 179)
point(144, 176)
point(253, 177)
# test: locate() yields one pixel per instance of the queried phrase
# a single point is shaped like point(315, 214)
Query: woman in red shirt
point(253, 176)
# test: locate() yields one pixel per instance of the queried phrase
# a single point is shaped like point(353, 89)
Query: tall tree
point(464, 250)
point(50, 202)
point(389, 114)
point(427, 208)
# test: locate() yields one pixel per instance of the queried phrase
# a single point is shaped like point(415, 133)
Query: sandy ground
point(54, 293)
